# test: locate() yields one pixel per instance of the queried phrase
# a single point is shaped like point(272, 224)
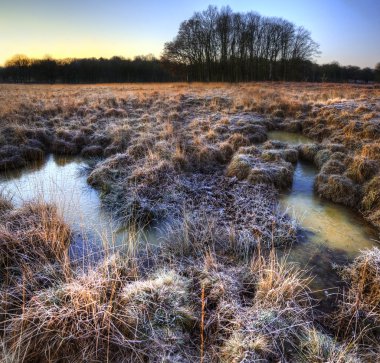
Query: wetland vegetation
point(190, 222)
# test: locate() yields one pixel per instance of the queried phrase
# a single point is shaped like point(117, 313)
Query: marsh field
point(190, 223)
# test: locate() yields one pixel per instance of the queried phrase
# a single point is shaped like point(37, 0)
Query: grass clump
point(34, 244)
point(358, 317)
point(281, 176)
point(333, 167)
point(370, 204)
point(239, 167)
point(32, 235)
point(321, 157)
point(277, 325)
point(361, 169)
point(308, 152)
point(105, 315)
point(371, 151)
point(263, 169)
point(337, 188)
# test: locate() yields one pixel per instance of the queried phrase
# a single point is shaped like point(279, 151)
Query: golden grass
point(191, 304)
point(32, 236)
point(358, 317)
point(210, 292)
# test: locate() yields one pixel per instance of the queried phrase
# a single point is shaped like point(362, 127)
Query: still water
point(332, 234)
point(289, 137)
point(59, 180)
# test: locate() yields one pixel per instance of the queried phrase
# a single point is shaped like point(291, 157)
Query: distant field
point(195, 161)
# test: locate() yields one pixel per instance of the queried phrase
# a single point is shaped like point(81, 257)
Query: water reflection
point(58, 180)
point(332, 234)
point(289, 137)
point(333, 225)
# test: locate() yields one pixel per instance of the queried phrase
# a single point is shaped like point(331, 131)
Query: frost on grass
point(194, 156)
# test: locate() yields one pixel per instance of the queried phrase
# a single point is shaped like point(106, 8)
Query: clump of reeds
point(34, 244)
point(266, 168)
point(308, 152)
point(33, 235)
point(104, 315)
point(361, 169)
point(371, 200)
point(358, 317)
point(277, 323)
point(239, 167)
point(337, 188)
point(371, 151)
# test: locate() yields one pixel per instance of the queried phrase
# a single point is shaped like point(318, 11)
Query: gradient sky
point(348, 31)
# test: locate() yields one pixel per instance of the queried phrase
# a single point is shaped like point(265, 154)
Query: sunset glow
point(347, 31)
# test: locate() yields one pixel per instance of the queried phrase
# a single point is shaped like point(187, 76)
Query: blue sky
point(348, 31)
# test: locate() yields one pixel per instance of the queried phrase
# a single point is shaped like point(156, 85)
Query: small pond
point(289, 137)
point(61, 180)
point(333, 234)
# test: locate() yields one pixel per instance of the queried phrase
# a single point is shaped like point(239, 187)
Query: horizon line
point(149, 55)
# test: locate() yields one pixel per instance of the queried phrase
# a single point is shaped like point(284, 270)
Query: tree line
point(222, 45)
point(213, 45)
point(21, 69)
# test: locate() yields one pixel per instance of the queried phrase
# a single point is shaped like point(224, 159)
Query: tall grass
point(185, 303)
point(214, 289)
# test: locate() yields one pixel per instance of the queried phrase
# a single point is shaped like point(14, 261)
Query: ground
point(195, 157)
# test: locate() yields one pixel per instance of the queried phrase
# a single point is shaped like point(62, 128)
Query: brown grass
point(359, 314)
point(214, 289)
point(32, 236)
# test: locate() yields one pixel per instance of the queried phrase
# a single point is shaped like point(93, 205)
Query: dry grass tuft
point(362, 169)
point(277, 325)
point(211, 291)
point(359, 312)
point(32, 236)
point(371, 200)
point(337, 188)
point(102, 317)
point(371, 151)
point(263, 169)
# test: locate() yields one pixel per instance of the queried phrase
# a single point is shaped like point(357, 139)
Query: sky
point(348, 31)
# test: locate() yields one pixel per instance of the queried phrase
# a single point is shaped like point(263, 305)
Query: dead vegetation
point(32, 236)
point(358, 317)
point(192, 303)
point(195, 157)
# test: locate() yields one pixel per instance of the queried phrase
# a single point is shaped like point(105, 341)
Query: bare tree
point(377, 72)
point(223, 45)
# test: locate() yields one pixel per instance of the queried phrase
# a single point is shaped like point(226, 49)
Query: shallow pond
point(333, 234)
point(59, 180)
point(289, 137)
